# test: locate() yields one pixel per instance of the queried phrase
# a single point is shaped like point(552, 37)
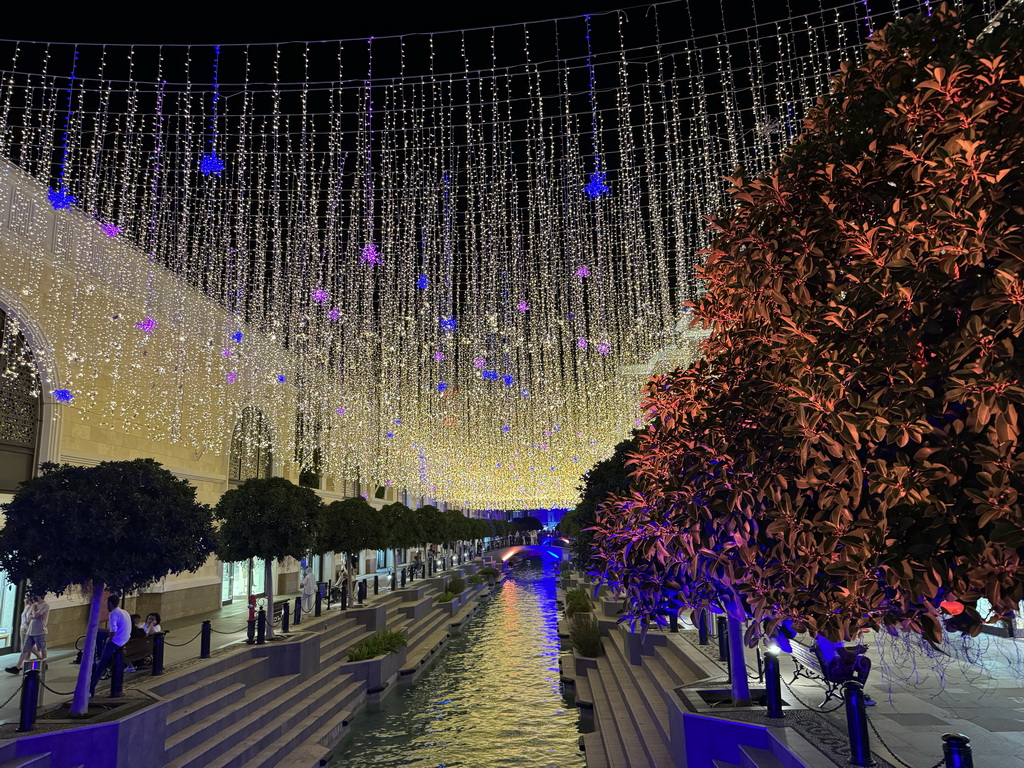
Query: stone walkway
point(229, 625)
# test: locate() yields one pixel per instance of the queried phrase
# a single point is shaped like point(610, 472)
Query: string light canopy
point(467, 243)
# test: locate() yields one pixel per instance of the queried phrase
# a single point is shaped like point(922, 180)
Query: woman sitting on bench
point(846, 663)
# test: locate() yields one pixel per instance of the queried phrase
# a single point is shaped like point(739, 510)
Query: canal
point(491, 699)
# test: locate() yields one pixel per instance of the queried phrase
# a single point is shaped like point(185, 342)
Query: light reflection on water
point(492, 699)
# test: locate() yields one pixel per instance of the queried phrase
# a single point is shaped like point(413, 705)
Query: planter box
point(582, 663)
point(380, 673)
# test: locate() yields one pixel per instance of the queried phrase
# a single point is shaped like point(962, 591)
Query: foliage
point(846, 455)
point(124, 524)
point(446, 597)
point(379, 644)
point(489, 573)
point(585, 634)
point(121, 524)
point(267, 517)
point(528, 523)
point(457, 586)
point(400, 527)
point(475, 578)
point(605, 479)
point(432, 521)
point(350, 525)
point(577, 601)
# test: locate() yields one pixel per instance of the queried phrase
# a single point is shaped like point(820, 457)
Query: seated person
point(152, 625)
point(846, 662)
point(138, 628)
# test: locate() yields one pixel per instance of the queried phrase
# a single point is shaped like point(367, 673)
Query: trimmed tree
point(270, 518)
point(401, 527)
point(847, 455)
point(119, 525)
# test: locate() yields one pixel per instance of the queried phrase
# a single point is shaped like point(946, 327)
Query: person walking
point(34, 627)
point(308, 589)
point(120, 634)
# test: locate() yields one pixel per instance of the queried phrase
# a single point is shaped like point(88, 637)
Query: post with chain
point(723, 639)
point(403, 577)
point(285, 618)
point(394, 579)
point(956, 749)
point(117, 675)
point(204, 640)
point(30, 688)
point(773, 682)
point(158, 654)
point(673, 620)
point(702, 627)
point(317, 607)
point(344, 596)
point(376, 584)
point(298, 612)
point(261, 627)
point(857, 723)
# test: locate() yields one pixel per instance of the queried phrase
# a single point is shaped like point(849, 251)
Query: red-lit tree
point(847, 455)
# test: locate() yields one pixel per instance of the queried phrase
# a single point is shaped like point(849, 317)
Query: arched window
point(250, 448)
point(19, 406)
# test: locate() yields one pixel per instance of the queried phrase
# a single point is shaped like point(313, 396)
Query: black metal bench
point(808, 663)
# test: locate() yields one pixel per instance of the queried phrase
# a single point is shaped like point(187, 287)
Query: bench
point(808, 663)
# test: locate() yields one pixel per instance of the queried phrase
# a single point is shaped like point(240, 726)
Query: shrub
point(384, 642)
point(489, 573)
point(577, 601)
point(476, 578)
point(457, 586)
point(447, 597)
point(585, 635)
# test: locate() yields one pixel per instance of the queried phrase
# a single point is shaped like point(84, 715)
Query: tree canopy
point(846, 455)
point(268, 517)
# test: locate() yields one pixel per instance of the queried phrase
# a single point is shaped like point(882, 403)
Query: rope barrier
point(220, 632)
point(16, 692)
point(889, 749)
point(182, 645)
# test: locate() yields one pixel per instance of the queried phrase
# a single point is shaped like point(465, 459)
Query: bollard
point(403, 578)
point(297, 613)
point(723, 639)
point(376, 584)
point(158, 654)
point(261, 627)
point(394, 580)
point(857, 723)
point(702, 628)
point(117, 674)
point(204, 640)
point(956, 749)
point(344, 596)
point(250, 631)
point(30, 689)
point(316, 604)
point(673, 621)
point(362, 591)
point(773, 683)
point(284, 617)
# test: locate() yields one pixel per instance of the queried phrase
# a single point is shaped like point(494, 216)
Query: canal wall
point(279, 705)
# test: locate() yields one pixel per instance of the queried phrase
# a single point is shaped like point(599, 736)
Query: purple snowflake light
point(422, 282)
point(61, 199)
point(211, 165)
point(370, 255)
point(63, 395)
point(232, 375)
point(320, 296)
point(582, 271)
point(147, 325)
point(439, 356)
point(110, 230)
point(597, 186)
point(341, 411)
point(522, 306)
point(226, 352)
point(479, 362)
point(581, 343)
point(603, 348)
point(334, 314)
point(237, 337)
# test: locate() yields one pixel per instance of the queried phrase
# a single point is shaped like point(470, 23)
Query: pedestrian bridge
point(547, 551)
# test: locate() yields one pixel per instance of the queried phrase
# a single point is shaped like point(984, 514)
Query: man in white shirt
point(120, 633)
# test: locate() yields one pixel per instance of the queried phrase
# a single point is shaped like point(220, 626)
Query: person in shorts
point(36, 617)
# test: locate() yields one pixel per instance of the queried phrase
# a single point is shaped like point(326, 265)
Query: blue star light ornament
point(597, 186)
point(449, 323)
point(63, 395)
point(61, 199)
point(237, 336)
point(211, 165)
point(422, 282)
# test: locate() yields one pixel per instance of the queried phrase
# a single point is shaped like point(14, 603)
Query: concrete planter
point(380, 673)
point(582, 663)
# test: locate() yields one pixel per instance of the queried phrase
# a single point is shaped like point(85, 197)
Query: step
point(28, 761)
point(592, 747)
point(631, 706)
point(246, 671)
point(190, 714)
point(604, 709)
point(263, 748)
point(584, 697)
point(724, 764)
point(638, 687)
point(196, 738)
point(754, 757)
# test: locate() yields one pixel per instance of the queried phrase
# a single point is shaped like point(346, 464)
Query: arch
point(50, 412)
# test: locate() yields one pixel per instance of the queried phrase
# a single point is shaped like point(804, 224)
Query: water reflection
point(492, 699)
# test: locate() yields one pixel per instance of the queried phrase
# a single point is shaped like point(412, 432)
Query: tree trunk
point(268, 580)
point(80, 703)
point(740, 687)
